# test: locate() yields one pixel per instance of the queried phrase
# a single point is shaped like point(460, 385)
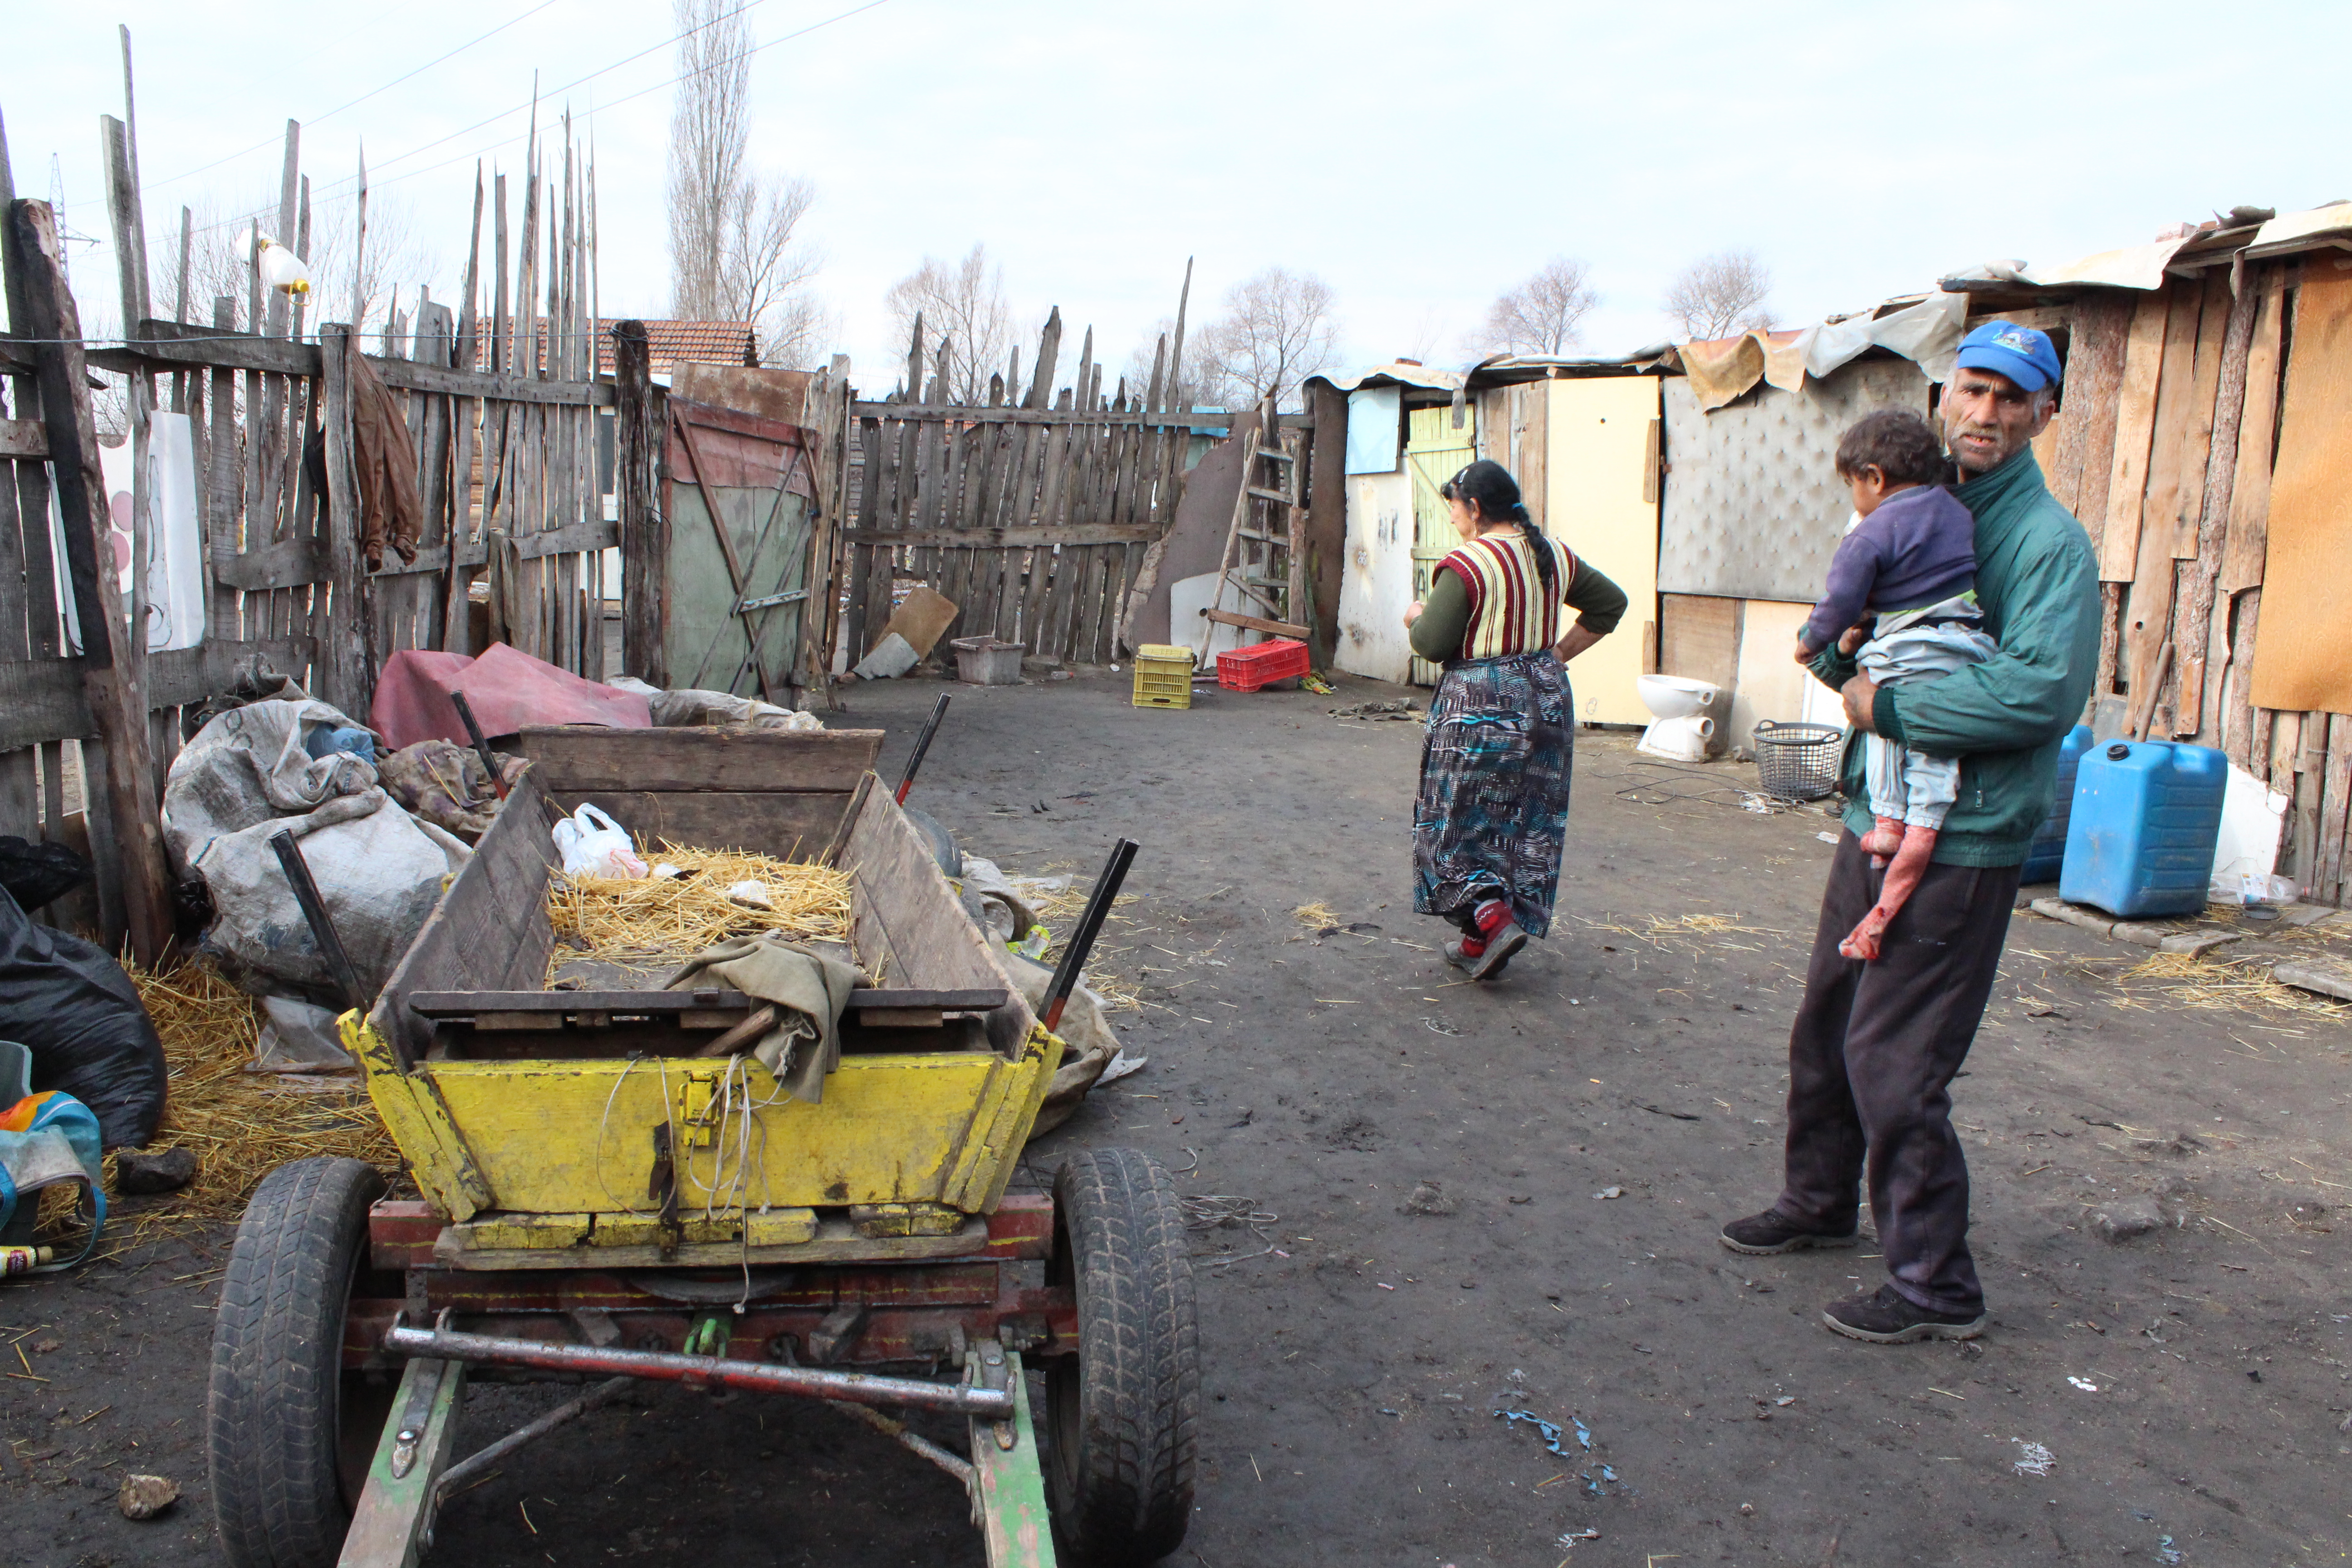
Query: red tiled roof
point(699, 343)
point(670, 342)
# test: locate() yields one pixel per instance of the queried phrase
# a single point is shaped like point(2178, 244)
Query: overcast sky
point(1418, 158)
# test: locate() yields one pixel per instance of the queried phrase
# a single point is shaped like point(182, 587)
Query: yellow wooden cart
point(600, 1202)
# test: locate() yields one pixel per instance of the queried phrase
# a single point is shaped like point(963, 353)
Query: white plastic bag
point(593, 845)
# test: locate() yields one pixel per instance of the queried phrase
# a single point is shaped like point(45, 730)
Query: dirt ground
point(1477, 1200)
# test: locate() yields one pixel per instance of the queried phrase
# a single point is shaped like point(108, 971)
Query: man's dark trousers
point(1872, 1058)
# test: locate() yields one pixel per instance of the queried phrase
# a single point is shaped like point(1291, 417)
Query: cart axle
point(664, 1366)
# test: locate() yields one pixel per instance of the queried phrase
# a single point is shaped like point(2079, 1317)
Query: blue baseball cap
point(2021, 353)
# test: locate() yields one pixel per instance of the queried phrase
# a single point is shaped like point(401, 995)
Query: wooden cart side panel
point(992, 1148)
point(788, 825)
point(488, 932)
point(565, 1137)
point(908, 924)
point(574, 760)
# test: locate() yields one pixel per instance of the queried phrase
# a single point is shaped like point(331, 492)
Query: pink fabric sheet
point(507, 689)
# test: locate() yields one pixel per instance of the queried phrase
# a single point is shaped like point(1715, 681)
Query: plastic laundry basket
point(1798, 762)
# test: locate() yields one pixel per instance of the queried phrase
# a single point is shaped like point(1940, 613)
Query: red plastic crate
point(1248, 668)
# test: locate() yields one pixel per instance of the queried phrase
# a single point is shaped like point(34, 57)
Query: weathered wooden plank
point(2197, 445)
point(23, 438)
point(346, 658)
point(571, 759)
point(2238, 728)
point(173, 344)
point(110, 678)
point(223, 466)
point(2250, 492)
point(285, 563)
point(2176, 463)
point(2148, 630)
point(909, 930)
point(998, 537)
point(2195, 624)
point(2329, 874)
point(2086, 418)
point(863, 999)
point(2134, 428)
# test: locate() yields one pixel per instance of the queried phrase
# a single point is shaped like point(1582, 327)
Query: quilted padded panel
point(1754, 508)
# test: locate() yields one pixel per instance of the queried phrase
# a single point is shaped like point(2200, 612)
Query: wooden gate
point(739, 495)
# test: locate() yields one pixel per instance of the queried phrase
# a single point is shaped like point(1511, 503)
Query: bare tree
point(963, 305)
point(1192, 390)
point(396, 260)
point(1718, 295)
point(1276, 331)
point(735, 254)
point(1541, 316)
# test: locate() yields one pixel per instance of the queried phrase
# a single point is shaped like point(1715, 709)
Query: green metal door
point(1434, 451)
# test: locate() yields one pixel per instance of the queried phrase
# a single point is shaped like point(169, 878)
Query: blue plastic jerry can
point(2140, 836)
point(2049, 850)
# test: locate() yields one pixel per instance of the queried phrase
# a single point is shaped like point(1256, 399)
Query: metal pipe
point(912, 1441)
point(922, 744)
point(456, 1478)
point(1082, 939)
point(321, 923)
point(662, 1366)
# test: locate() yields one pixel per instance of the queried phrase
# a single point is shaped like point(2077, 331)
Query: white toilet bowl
point(1674, 695)
point(1685, 728)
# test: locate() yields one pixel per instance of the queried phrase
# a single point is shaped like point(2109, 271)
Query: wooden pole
point(644, 531)
point(110, 680)
point(345, 637)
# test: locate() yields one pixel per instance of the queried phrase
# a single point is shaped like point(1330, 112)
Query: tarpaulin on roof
point(1927, 333)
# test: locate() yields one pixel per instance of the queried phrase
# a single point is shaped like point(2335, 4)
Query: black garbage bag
point(69, 1003)
point(37, 874)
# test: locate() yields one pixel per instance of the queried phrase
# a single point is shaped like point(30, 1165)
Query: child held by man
point(1901, 598)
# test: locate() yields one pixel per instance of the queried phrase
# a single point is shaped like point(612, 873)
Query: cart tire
point(274, 1417)
point(1124, 1412)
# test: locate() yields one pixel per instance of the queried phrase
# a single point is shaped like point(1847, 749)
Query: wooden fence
point(511, 488)
point(1035, 519)
point(2164, 447)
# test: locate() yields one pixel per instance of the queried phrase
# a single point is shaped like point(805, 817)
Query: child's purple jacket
point(1917, 549)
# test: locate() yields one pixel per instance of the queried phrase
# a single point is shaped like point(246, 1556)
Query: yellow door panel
point(1602, 501)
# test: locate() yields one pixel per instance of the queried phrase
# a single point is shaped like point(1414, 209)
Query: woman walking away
point(1493, 808)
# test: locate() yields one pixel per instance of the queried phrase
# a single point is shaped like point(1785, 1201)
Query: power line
point(272, 141)
point(537, 98)
point(615, 103)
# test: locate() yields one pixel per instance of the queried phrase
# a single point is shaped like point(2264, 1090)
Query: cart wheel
point(1123, 1411)
point(288, 1432)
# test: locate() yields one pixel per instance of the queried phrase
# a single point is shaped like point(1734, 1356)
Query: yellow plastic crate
point(1164, 676)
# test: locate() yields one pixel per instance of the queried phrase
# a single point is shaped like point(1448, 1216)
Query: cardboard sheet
point(2303, 658)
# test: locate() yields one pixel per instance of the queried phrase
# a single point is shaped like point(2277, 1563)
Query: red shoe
point(1498, 937)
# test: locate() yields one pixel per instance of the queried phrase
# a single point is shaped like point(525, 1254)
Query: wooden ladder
point(1263, 568)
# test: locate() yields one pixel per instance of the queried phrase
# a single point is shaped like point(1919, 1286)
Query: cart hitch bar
point(663, 1366)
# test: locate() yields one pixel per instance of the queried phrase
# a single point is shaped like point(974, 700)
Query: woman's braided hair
point(1489, 486)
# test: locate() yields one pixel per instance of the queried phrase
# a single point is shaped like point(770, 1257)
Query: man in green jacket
point(1875, 1046)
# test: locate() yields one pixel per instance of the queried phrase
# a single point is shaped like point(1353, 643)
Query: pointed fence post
point(111, 682)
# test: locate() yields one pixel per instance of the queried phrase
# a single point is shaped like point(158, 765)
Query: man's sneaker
point(1761, 1235)
point(1891, 1318)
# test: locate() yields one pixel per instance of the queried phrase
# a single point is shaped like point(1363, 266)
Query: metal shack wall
point(1753, 506)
